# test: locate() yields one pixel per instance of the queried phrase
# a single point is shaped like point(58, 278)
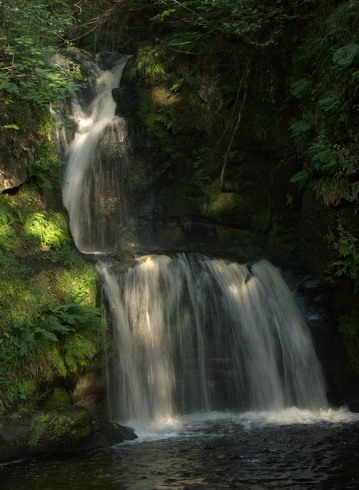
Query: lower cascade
point(192, 333)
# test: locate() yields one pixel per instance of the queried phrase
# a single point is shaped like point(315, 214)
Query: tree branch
point(244, 80)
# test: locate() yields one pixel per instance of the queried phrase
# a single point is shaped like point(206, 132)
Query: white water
point(215, 424)
point(198, 334)
point(96, 171)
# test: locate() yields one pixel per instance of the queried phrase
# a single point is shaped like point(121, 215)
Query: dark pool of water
point(215, 455)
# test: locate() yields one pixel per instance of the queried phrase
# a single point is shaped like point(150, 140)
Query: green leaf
point(11, 126)
point(346, 55)
point(300, 88)
point(301, 178)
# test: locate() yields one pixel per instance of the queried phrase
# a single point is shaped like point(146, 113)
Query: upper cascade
point(95, 181)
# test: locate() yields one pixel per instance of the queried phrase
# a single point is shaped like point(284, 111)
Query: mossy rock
point(261, 222)
point(60, 430)
point(235, 210)
point(59, 398)
point(175, 202)
point(45, 433)
point(231, 236)
point(283, 239)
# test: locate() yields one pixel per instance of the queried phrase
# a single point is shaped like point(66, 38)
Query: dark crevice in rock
point(12, 191)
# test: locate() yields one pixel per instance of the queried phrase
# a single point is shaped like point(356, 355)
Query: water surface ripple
point(214, 454)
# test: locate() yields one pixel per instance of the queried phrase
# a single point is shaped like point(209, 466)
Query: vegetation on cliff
point(324, 131)
point(50, 327)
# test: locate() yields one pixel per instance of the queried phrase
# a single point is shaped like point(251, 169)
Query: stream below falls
point(294, 449)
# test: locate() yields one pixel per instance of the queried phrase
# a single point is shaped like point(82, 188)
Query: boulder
point(111, 433)
point(15, 157)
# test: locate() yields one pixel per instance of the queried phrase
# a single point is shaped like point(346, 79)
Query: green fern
point(43, 231)
point(326, 67)
point(55, 342)
point(348, 264)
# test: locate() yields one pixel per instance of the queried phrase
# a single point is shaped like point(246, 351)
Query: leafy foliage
point(43, 232)
point(325, 85)
point(49, 325)
point(29, 69)
point(55, 342)
point(151, 63)
point(193, 21)
point(348, 263)
point(6, 225)
point(45, 169)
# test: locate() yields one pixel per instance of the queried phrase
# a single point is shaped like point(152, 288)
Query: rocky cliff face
point(199, 182)
point(17, 149)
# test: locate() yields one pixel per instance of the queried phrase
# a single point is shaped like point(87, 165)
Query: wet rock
point(110, 433)
point(315, 300)
point(347, 385)
point(106, 59)
point(124, 266)
point(63, 431)
point(89, 392)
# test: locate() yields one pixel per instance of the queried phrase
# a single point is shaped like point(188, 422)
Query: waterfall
point(96, 173)
point(193, 333)
point(190, 333)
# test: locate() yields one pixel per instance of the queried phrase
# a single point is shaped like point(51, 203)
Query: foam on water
point(294, 415)
point(216, 424)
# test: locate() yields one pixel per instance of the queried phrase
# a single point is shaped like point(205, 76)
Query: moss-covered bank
point(51, 327)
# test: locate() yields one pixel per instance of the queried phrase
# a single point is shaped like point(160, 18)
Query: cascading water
point(96, 173)
point(191, 333)
point(194, 333)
